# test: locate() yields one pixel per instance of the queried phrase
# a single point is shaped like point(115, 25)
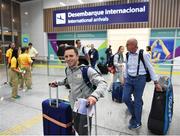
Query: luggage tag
point(81, 107)
point(163, 81)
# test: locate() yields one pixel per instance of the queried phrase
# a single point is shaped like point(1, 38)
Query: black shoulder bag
point(148, 77)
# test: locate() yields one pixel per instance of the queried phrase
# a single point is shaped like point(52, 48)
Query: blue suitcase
point(117, 92)
point(162, 108)
point(57, 116)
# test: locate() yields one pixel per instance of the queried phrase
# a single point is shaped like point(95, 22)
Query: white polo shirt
point(33, 52)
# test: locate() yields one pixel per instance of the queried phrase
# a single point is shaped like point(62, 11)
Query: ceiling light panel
point(62, 4)
point(80, 1)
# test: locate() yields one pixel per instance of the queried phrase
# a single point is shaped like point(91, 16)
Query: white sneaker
point(2, 98)
point(24, 90)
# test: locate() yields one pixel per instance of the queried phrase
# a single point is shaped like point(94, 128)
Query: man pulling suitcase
point(80, 88)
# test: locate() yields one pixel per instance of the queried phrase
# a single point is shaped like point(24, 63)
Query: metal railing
point(48, 66)
point(44, 65)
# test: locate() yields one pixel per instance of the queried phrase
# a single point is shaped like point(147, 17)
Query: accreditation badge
point(79, 76)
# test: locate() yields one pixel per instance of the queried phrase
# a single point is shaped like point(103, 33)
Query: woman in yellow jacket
point(14, 73)
point(8, 58)
point(25, 65)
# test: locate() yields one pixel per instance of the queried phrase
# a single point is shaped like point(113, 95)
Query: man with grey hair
point(135, 81)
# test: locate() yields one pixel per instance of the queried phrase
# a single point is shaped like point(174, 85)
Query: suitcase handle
point(57, 96)
point(89, 131)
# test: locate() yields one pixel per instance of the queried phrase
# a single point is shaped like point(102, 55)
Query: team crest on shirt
point(79, 76)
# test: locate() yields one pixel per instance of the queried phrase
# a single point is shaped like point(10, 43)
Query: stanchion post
point(171, 70)
point(47, 65)
point(6, 65)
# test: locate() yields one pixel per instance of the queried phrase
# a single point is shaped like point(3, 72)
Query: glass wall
point(10, 26)
point(9, 22)
point(16, 22)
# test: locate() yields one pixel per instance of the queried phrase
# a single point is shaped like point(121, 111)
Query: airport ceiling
point(23, 0)
point(69, 2)
point(73, 2)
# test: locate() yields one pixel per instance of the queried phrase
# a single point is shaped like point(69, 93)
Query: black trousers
point(33, 61)
point(80, 123)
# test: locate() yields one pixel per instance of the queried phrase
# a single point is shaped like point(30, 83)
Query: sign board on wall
point(25, 39)
point(134, 12)
point(177, 47)
point(87, 38)
point(162, 44)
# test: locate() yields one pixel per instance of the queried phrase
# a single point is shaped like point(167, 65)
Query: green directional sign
point(25, 39)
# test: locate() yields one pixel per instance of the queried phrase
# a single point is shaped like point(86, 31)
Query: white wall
point(32, 24)
point(118, 37)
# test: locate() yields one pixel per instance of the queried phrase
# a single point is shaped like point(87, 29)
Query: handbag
point(112, 69)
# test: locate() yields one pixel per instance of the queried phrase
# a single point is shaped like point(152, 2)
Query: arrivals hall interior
point(51, 25)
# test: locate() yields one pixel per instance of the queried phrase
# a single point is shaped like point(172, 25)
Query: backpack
point(140, 57)
point(111, 67)
point(66, 84)
point(83, 50)
point(111, 60)
point(84, 70)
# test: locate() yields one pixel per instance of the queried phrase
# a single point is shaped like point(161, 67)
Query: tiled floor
point(23, 116)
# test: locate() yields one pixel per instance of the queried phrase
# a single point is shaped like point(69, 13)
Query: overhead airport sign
point(134, 12)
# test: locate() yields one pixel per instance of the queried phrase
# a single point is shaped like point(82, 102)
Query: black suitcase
point(81, 112)
point(162, 108)
point(103, 68)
